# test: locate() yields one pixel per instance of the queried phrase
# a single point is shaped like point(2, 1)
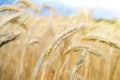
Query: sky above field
point(109, 4)
point(113, 5)
point(104, 8)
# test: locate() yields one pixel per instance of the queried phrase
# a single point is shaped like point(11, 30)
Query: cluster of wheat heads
point(60, 37)
point(54, 44)
point(7, 37)
point(13, 16)
point(20, 10)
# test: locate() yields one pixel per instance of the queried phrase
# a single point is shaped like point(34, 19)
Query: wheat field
point(54, 47)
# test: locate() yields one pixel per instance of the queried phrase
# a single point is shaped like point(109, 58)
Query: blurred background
point(32, 28)
point(101, 9)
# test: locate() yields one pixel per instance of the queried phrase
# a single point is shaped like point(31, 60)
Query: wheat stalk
point(54, 44)
point(62, 67)
point(5, 38)
point(101, 40)
point(26, 45)
point(112, 77)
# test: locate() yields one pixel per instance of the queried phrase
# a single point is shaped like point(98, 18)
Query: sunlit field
point(54, 47)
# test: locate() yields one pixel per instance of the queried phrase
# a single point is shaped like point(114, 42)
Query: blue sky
point(103, 8)
point(109, 4)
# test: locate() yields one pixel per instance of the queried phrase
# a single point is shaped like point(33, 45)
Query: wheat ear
point(79, 47)
point(10, 8)
point(101, 40)
point(17, 15)
point(5, 38)
point(53, 45)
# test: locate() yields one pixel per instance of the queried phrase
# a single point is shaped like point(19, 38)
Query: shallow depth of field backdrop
point(59, 40)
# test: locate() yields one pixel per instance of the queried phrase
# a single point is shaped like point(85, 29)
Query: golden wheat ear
point(6, 38)
point(15, 16)
point(9, 8)
point(75, 48)
point(101, 40)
